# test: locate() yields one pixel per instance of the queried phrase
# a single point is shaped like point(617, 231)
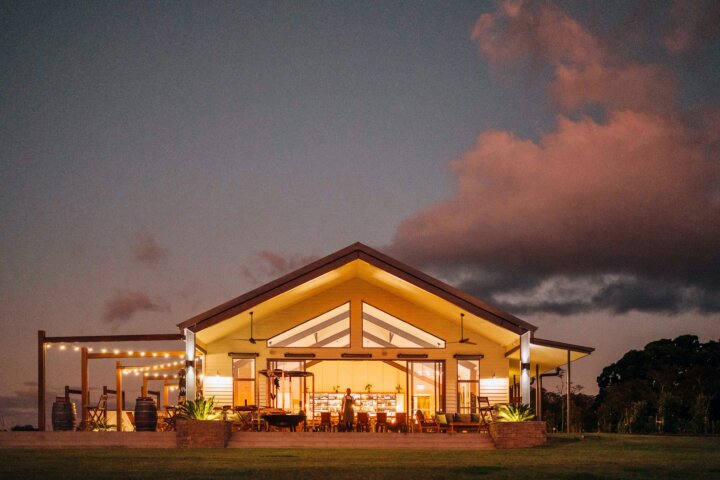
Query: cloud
point(694, 26)
point(585, 70)
point(147, 251)
point(267, 265)
point(618, 213)
point(126, 304)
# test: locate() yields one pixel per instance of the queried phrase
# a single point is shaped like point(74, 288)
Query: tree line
point(671, 386)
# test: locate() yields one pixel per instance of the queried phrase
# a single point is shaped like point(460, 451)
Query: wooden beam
point(118, 396)
point(41, 380)
point(155, 337)
point(159, 356)
point(84, 385)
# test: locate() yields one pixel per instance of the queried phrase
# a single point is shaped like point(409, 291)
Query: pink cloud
point(146, 250)
point(638, 193)
point(126, 304)
point(585, 71)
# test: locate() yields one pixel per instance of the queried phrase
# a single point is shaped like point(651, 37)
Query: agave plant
point(200, 409)
point(515, 413)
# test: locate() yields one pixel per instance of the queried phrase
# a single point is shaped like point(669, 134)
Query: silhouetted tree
point(669, 386)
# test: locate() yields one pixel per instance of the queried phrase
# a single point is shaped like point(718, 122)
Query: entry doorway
point(426, 384)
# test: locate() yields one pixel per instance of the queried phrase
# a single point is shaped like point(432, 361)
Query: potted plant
point(514, 427)
point(198, 425)
point(368, 387)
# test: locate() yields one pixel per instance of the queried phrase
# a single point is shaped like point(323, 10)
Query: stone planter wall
point(203, 433)
point(518, 434)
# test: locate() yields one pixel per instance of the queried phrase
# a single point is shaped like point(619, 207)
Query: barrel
point(64, 415)
point(145, 414)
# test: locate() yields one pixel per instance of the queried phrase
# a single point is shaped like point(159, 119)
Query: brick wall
point(518, 434)
point(203, 433)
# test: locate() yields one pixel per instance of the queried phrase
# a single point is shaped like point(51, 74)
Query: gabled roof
point(357, 251)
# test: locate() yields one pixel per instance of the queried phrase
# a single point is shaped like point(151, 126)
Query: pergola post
point(41, 380)
point(84, 385)
point(525, 368)
point(118, 396)
point(190, 365)
point(569, 384)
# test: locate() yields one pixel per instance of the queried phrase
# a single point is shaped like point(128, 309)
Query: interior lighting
point(154, 354)
point(76, 348)
point(116, 351)
point(104, 350)
point(62, 347)
point(48, 345)
point(90, 349)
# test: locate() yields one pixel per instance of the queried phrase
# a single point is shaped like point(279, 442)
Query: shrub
point(515, 413)
point(200, 409)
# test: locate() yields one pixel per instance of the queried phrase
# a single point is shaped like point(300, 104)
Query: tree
point(669, 386)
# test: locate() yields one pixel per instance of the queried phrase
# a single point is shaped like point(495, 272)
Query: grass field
point(597, 456)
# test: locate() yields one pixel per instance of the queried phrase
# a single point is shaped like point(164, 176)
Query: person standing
point(348, 410)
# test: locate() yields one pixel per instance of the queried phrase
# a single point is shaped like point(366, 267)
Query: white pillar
point(190, 364)
point(568, 388)
point(525, 368)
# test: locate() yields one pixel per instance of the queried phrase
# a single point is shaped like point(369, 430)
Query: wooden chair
point(325, 422)
point(400, 424)
point(487, 412)
point(363, 422)
point(381, 422)
point(426, 425)
point(97, 415)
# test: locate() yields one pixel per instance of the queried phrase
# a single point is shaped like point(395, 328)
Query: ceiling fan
point(463, 338)
point(252, 339)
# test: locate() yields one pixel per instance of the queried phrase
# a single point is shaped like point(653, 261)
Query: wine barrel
point(64, 415)
point(145, 414)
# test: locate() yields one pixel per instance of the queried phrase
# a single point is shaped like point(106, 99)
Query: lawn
point(597, 456)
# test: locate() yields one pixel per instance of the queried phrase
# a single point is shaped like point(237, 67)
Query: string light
point(76, 348)
point(62, 347)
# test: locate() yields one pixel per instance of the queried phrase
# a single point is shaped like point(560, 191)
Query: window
point(468, 385)
point(382, 330)
point(243, 381)
point(330, 330)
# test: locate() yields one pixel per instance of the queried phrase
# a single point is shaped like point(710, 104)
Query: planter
point(202, 433)
point(518, 434)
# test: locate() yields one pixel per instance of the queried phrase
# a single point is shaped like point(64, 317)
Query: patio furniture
point(363, 422)
point(465, 422)
point(487, 413)
point(284, 421)
point(381, 422)
point(325, 424)
point(444, 421)
point(424, 425)
point(166, 421)
point(97, 415)
point(400, 424)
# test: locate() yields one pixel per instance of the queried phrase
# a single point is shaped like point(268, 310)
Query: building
point(400, 339)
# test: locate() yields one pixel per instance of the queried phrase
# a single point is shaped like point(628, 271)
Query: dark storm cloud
point(126, 304)
point(146, 250)
point(618, 214)
point(267, 265)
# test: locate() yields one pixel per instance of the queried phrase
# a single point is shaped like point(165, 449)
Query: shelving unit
point(364, 402)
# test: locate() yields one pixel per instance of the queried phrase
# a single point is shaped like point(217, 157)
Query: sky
point(558, 159)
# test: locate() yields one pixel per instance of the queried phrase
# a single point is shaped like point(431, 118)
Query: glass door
point(426, 386)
